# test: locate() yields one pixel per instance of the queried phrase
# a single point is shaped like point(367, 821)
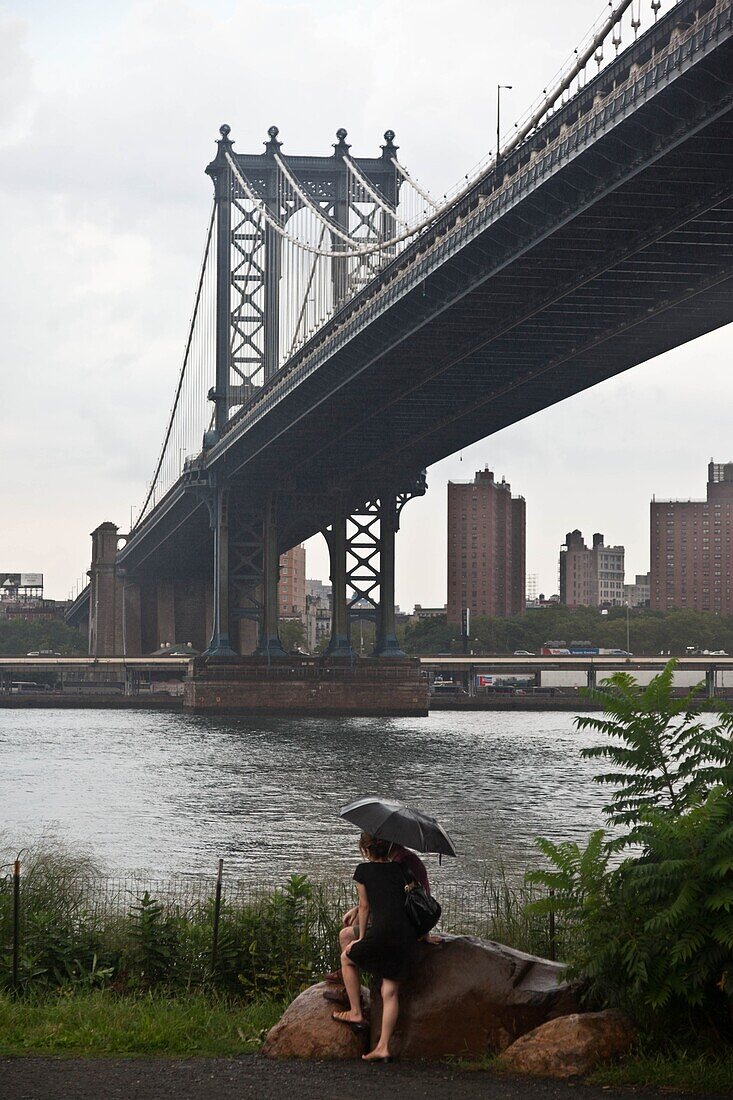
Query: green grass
point(684, 1070)
point(100, 1024)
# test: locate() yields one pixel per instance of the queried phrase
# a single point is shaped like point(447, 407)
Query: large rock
point(471, 997)
point(570, 1046)
point(307, 1030)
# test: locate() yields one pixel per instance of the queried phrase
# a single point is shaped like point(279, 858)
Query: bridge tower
point(257, 197)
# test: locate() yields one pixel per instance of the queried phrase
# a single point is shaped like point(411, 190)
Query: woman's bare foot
point(379, 1054)
point(348, 1017)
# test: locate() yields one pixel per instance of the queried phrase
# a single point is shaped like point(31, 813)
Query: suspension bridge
point(349, 329)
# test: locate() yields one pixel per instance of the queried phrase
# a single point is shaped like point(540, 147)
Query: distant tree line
point(650, 632)
point(18, 637)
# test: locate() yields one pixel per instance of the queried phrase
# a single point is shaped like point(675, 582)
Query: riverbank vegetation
point(650, 632)
point(79, 930)
point(653, 932)
point(18, 637)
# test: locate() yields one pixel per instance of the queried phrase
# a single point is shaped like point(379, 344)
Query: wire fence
point(63, 925)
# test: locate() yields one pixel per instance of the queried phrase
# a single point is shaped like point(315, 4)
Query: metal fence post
point(217, 913)
point(553, 943)
point(16, 921)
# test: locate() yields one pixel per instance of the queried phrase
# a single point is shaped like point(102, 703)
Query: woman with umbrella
point(386, 938)
point(385, 944)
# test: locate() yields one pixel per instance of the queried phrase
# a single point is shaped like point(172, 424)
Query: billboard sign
point(21, 580)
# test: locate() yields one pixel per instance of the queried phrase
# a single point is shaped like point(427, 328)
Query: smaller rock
point(570, 1046)
point(307, 1030)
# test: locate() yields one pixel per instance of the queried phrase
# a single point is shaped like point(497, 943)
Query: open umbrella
point(399, 824)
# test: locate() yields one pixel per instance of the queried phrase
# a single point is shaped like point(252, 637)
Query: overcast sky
point(108, 114)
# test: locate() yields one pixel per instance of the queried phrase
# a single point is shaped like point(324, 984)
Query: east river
point(168, 794)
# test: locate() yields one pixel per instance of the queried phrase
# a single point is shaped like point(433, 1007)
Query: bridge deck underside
point(612, 288)
point(624, 254)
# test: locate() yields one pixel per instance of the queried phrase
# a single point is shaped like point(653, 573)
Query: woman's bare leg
point(390, 1012)
point(353, 990)
point(346, 936)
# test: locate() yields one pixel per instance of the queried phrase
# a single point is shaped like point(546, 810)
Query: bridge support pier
point(270, 644)
point(166, 612)
point(105, 594)
point(220, 646)
point(339, 644)
point(387, 644)
point(592, 678)
point(711, 678)
point(131, 618)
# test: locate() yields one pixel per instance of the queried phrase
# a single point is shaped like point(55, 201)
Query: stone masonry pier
point(307, 686)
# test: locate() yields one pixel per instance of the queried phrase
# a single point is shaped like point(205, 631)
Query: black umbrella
point(399, 824)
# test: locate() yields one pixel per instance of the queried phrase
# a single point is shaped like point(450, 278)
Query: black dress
point(388, 948)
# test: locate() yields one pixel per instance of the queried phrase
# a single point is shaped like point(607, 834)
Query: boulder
point(570, 1046)
point(469, 997)
point(306, 1030)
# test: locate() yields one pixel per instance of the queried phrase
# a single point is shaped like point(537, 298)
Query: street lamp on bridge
point(499, 89)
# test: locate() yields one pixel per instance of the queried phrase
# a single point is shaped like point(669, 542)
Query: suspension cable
point(183, 367)
point(413, 183)
point(582, 60)
point(275, 223)
point(411, 231)
point(329, 223)
point(371, 191)
point(304, 305)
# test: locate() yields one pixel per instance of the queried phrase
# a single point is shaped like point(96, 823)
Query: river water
point(169, 794)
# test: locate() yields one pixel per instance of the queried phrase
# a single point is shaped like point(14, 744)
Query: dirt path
point(254, 1078)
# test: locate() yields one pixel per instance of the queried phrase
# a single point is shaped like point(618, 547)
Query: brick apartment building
point(486, 548)
point(291, 590)
point(591, 576)
point(691, 552)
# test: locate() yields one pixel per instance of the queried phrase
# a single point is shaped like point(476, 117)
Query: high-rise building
point(486, 548)
point(691, 551)
point(591, 576)
point(291, 590)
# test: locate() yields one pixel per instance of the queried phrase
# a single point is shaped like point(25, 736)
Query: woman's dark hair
point(372, 846)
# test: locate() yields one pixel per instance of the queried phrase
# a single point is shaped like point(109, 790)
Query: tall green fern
point(654, 935)
point(664, 756)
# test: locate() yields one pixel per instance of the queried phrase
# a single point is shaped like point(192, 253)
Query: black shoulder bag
point(423, 911)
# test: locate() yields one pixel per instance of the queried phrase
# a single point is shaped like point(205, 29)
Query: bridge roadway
point(527, 665)
point(707, 668)
point(20, 667)
point(604, 240)
point(93, 676)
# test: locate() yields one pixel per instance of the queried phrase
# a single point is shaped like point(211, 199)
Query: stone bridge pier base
point(270, 681)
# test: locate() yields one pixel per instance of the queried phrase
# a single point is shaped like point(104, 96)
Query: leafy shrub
point(79, 930)
point(654, 934)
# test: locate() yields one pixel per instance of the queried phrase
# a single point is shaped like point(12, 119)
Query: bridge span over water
point(349, 330)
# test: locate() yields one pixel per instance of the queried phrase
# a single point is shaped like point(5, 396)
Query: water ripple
point(172, 793)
